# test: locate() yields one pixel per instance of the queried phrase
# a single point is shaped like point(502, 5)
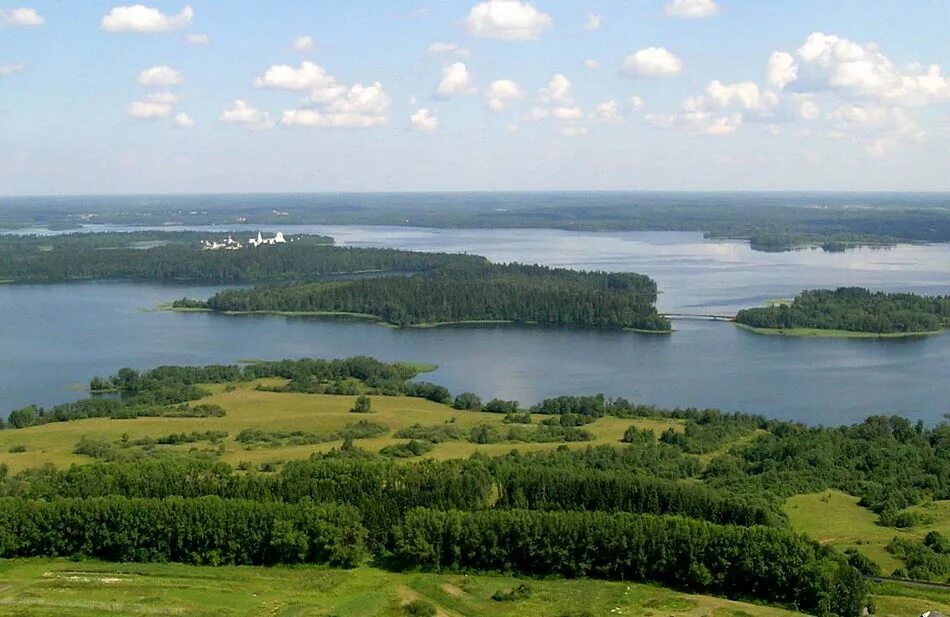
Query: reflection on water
point(57, 335)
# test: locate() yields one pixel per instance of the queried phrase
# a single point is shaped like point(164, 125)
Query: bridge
point(708, 316)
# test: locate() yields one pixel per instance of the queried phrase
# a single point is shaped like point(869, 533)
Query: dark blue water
point(53, 337)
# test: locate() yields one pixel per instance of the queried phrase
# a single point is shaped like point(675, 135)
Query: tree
point(467, 401)
point(363, 404)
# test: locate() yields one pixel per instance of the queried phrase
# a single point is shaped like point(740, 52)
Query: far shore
point(821, 333)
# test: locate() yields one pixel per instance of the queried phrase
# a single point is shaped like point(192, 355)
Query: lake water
point(53, 337)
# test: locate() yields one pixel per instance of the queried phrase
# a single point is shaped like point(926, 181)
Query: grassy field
point(835, 518)
point(63, 588)
point(45, 587)
point(247, 407)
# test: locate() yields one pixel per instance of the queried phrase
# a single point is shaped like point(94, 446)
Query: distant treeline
point(475, 292)
point(177, 256)
point(854, 309)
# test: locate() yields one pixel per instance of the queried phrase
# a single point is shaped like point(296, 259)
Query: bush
point(363, 404)
point(521, 592)
point(17, 449)
point(408, 449)
point(419, 608)
point(467, 401)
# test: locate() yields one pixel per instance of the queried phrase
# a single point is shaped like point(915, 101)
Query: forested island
point(471, 293)
point(851, 311)
point(700, 506)
point(178, 256)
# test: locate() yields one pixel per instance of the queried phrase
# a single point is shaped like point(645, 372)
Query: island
point(850, 312)
point(462, 293)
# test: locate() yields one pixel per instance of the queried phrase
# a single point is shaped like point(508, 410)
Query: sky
point(458, 95)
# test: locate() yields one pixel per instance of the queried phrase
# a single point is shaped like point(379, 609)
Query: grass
point(61, 588)
point(248, 407)
point(822, 333)
point(835, 518)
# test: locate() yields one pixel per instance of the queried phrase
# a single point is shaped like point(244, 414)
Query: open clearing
point(248, 407)
point(833, 517)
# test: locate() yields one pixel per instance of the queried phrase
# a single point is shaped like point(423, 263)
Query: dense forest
point(476, 292)
point(177, 256)
point(853, 309)
point(699, 509)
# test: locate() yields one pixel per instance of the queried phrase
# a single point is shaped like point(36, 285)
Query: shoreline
point(167, 306)
point(843, 334)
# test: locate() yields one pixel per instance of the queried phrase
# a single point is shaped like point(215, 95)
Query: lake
point(55, 337)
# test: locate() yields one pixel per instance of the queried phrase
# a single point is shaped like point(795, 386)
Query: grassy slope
point(270, 411)
point(833, 517)
point(63, 588)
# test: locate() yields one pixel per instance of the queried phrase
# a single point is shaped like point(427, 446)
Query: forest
point(681, 508)
point(177, 256)
point(853, 309)
point(470, 293)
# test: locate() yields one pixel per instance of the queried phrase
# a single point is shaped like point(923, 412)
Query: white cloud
point(508, 20)
point(591, 64)
point(500, 92)
point(567, 112)
point(184, 121)
point(360, 107)
point(7, 70)
point(157, 105)
point(455, 80)
point(198, 39)
point(574, 131)
point(424, 120)
point(606, 112)
point(782, 69)
point(448, 48)
point(807, 108)
point(245, 115)
point(652, 62)
point(743, 95)
point(21, 17)
point(141, 18)
point(635, 102)
point(160, 76)
point(329, 102)
point(861, 71)
point(877, 148)
point(691, 9)
point(536, 114)
point(594, 22)
point(303, 43)
point(558, 90)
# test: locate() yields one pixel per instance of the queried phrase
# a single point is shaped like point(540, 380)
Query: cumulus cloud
point(652, 62)
point(244, 115)
point(743, 95)
point(184, 121)
point(574, 131)
point(782, 69)
point(160, 76)
point(591, 64)
point(7, 70)
point(448, 48)
point(567, 112)
point(198, 39)
point(22, 16)
point(303, 43)
point(606, 112)
point(861, 71)
point(329, 102)
point(691, 9)
point(424, 120)
point(141, 18)
point(635, 103)
point(501, 91)
point(455, 80)
point(558, 90)
point(508, 20)
point(156, 105)
point(594, 22)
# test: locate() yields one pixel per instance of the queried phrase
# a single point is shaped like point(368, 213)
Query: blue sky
point(100, 97)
